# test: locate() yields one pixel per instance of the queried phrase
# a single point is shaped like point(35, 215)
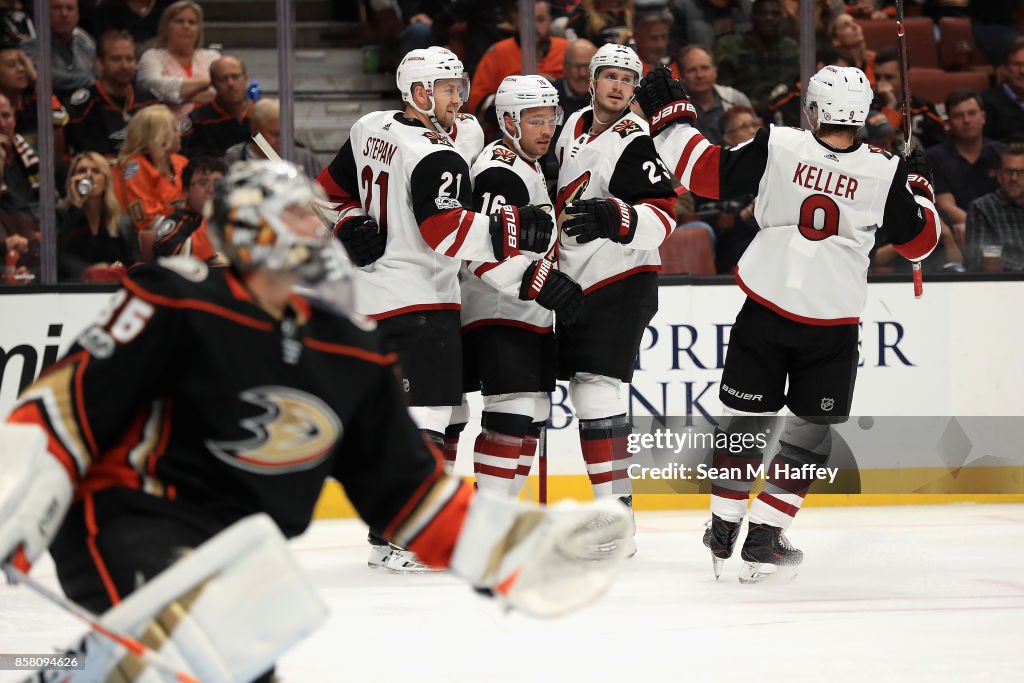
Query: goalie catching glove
point(664, 100)
point(362, 239)
point(520, 228)
point(539, 560)
point(552, 289)
point(590, 219)
point(919, 174)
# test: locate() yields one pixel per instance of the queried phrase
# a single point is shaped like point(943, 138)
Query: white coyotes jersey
point(619, 162)
point(490, 291)
point(415, 183)
point(818, 209)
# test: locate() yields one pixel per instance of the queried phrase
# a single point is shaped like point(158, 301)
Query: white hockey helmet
point(427, 65)
point(619, 56)
point(838, 94)
point(517, 93)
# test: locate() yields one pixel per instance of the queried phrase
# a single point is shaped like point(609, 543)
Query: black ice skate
point(720, 537)
point(766, 549)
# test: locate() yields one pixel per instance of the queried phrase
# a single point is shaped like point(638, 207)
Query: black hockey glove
point(520, 228)
point(610, 218)
point(362, 239)
point(552, 289)
point(919, 174)
point(664, 100)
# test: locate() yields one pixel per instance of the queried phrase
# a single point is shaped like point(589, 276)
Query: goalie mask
point(427, 66)
point(839, 95)
point(261, 216)
point(519, 93)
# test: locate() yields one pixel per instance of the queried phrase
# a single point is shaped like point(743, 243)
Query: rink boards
point(952, 353)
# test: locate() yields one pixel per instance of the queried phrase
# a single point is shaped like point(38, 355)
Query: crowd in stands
point(146, 116)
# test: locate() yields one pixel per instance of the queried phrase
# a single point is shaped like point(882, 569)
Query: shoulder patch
point(626, 127)
point(131, 169)
point(504, 155)
point(778, 91)
point(446, 203)
point(437, 139)
point(80, 96)
point(165, 227)
point(185, 125)
point(461, 116)
point(191, 269)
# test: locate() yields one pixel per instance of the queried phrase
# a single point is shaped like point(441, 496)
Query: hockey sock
point(736, 472)
point(435, 439)
point(603, 442)
point(496, 451)
point(787, 479)
point(451, 445)
point(526, 455)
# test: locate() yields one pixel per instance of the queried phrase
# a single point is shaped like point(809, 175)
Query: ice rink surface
point(930, 593)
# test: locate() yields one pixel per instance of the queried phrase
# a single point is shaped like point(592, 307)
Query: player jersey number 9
point(819, 217)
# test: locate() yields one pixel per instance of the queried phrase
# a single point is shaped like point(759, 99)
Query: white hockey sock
point(496, 460)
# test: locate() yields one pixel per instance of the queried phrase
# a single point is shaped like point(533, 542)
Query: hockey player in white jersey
point(615, 206)
point(508, 331)
point(402, 191)
point(820, 197)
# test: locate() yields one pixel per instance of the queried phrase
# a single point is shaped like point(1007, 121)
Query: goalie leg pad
point(225, 612)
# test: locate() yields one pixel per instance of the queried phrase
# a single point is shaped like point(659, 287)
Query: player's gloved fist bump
point(362, 239)
point(590, 219)
point(919, 174)
point(520, 228)
point(664, 99)
point(553, 290)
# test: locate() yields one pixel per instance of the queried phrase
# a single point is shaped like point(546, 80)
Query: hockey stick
point(542, 465)
point(15, 575)
point(901, 47)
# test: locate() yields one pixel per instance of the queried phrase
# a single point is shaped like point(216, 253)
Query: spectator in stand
point(966, 165)
point(651, 31)
point(99, 114)
point(1004, 104)
point(140, 18)
point(418, 32)
point(177, 70)
point(865, 9)
point(601, 21)
point(824, 12)
point(89, 227)
point(505, 59)
point(184, 231)
point(784, 106)
point(148, 174)
point(19, 190)
point(878, 132)
point(997, 219)
point(704, 22)
point(757, 61)
point(709, 99)
point(73, 51)
point(846, 34)
point(995, 25)
point(223, 123)
point(929, 128)
point(266, 120)
point(18, 85)
point(15, 25)
point(573, 92)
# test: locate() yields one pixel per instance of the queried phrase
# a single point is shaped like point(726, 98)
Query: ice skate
point(720, 538)
point(402, 561)
point(380, 551)
point(767, 553)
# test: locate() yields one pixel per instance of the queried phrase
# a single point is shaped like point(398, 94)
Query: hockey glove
point(919, 174)
point(520, 228)
point(610, 218)
point(553, 290)
point(362, 239)
point(664, 100)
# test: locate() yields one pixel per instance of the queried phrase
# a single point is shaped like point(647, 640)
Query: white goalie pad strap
point(540, 560)
point(224, 612)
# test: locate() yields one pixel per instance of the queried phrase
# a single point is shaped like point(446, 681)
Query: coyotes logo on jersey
point(626, 127)
point(504, 155)
point(437, 138)
point(568, 194)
